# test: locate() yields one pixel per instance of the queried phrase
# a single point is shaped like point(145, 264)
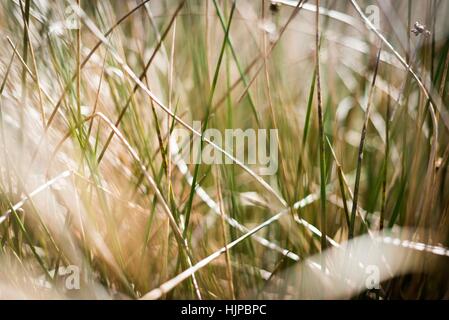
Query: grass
point(91, 92)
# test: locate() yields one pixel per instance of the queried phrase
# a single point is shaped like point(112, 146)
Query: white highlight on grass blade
point(438, 103)
point(420, 246)
point(182, 166)
point(315, 231)
point(36, 191)
point(171, 284)
point(334, 14)
point(357, 265)
point(204, 196)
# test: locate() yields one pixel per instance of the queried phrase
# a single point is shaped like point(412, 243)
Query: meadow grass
point(91, 93)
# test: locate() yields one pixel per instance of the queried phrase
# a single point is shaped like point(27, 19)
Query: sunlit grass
point(92, 90)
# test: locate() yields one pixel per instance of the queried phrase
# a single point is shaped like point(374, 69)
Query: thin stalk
point(385, 171)
point(322, 141)
point(341, 181)
point(361, 148)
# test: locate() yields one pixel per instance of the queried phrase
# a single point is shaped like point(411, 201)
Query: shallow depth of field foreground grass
point(96, 201)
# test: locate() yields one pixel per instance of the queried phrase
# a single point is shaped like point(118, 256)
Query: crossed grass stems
point(173, 151)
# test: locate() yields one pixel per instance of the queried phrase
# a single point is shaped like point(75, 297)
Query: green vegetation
point(90, 92)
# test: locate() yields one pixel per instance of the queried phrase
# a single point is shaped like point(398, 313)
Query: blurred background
point(96, 203)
